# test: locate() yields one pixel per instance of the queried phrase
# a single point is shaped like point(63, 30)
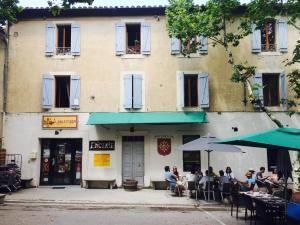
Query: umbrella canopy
point(206, 143)
point(281, 138)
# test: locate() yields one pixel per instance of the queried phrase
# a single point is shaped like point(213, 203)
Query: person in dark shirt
point(260, 179)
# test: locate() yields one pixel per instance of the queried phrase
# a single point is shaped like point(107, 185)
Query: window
point(190, 159)
point(62, 91)
point(271, 89)
point(190, 90)
point(133, 43)
point(132, 98)
point(268, 37)
point(63, 40)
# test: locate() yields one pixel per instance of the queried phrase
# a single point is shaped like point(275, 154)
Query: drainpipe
point(4, 39)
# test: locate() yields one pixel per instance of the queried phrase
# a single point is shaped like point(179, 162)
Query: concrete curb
point(86, 205)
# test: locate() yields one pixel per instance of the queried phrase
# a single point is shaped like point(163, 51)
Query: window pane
point(271, 89)
point(133, 38)
point(268, 37)
point(190, 159)
point(62, 92)
point(63, 39)
point(190, 90)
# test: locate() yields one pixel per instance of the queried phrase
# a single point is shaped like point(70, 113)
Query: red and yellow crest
point(164, 146)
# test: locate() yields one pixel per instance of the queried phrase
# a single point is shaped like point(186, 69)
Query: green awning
point(147, 118)
point(281, 138)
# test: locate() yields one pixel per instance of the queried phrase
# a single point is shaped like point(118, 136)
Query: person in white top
point(205, 179)
point(228, 173)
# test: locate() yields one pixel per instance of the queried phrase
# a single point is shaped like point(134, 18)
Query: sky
point(43, 3)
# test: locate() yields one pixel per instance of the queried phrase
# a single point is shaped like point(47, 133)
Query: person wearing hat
point(249, 183)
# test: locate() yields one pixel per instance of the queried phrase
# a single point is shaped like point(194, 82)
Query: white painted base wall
point(23, 132)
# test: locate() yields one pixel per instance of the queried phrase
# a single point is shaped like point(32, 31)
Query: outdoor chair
point(249, 205)
point(192, 186)
point(236, 199)
point(175, 189)
point(211, 190)
point(226, 190)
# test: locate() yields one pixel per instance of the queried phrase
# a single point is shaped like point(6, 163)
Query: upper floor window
point(268, 37)
point(190, 90)
point(133, 32)
point(63, 40)
point(196, 45)
point(61, 91)
point(193, 90)
point(272, 36)
point(271, 89)
point(133, 38)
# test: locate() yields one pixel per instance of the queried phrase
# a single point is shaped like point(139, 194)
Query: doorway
point(61, 161)
point(133, 158)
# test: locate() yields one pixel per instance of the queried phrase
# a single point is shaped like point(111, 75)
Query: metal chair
point(226, 190)
point(192, 186)
point(211, 190)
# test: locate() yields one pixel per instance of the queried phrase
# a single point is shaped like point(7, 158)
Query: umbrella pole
point(285, 188)
point(208, 188)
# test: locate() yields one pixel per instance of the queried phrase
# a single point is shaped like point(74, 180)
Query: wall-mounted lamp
point(235, 129)
point(157, 18)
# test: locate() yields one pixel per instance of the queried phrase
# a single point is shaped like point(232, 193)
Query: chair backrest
point(191, 185)
point(210, 184)
point(226, 187)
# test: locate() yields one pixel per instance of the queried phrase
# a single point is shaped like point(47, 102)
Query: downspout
point(4, 38)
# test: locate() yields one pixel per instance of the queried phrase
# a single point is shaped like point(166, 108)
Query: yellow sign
point(101, 160)
point(55, 122)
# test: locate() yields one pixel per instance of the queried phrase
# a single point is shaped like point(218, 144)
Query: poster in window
point(164, 146)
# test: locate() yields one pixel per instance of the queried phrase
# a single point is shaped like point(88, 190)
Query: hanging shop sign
point(101, 159)
point(59, 122)
point(102, 145)
point(164, 146)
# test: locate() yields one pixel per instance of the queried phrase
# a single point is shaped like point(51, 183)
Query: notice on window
point(101, 159)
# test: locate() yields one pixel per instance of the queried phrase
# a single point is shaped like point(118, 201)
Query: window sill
point(194, 55)
point(133, 56)
point(275, 108)
point(190, 109)
point(63, 57)
point(61, 110)
point(270, 53)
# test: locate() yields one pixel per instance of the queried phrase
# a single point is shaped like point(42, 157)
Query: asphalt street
point(81, 215)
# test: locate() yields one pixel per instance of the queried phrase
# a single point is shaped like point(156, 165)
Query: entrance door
point(133, 158)
point(61, 161)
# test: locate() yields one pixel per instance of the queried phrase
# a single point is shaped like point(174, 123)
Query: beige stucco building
point(115, 63)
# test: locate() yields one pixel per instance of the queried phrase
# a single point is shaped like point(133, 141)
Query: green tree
point(217, 21)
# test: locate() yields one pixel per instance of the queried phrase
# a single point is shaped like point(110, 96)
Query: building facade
point(100, 94)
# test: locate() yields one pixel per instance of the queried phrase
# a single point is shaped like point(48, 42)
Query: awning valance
point(147, 118)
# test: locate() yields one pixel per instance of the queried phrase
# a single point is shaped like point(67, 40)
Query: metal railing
point(136, 49)
point(268, 48)
point(63, 50)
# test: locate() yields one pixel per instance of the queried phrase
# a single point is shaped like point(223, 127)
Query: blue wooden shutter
point(137, 91)
point(258, 94)
point(75, 39)
point(255, 39)
point(127, 87)
point(75, 92)
point(49, 39)
point(175, 46)
point(120, 38)
point(145, 38)
point(203, 90)
point(204, 45)
point(283, 35)
point(180, 78)
point(283, 94)
point(47, 91)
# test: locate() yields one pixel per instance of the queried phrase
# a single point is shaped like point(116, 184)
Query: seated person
point(260, 179)
point(278, 185)
point(192, 177)
point(175, 172)
point(211, 172)
point(274, 177)
point(205, 179)
point(223, 180)
point(249, 183)
point(170, 177)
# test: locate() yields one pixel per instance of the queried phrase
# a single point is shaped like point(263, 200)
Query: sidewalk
point(74, 195)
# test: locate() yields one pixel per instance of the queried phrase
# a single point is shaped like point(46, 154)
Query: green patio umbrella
point(281, 139)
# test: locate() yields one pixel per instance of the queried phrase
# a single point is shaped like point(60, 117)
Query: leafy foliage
point(8, 11)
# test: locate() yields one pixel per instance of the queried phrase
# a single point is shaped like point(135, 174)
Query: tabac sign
point(59, 122)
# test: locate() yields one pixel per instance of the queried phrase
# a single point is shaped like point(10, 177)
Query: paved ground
point(75, 194)
point(62, 215)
